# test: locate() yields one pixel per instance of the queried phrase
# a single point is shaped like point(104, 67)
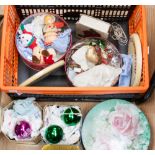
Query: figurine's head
point(25, 39)
point(49, 19)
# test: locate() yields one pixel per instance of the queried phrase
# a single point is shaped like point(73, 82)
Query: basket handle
point(42, 74)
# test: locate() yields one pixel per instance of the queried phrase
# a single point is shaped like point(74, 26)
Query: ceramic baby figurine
point(51, 29)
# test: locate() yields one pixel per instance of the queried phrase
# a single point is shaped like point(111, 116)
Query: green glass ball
point(71, 116)
point(54, 134)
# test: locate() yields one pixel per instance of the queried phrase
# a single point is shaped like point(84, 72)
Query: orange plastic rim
point(9, 83)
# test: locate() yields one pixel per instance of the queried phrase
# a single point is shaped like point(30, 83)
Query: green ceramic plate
point(116, 124)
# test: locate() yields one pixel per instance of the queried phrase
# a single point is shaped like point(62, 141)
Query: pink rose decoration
point(124, 121)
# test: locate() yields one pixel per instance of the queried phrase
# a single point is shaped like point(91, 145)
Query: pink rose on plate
point(125, 120)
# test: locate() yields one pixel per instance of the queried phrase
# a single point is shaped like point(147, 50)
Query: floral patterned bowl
point(116, 124)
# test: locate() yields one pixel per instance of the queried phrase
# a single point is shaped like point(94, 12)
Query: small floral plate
point(116, 124)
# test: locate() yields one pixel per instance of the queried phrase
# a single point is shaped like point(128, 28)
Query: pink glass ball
point(23, 130)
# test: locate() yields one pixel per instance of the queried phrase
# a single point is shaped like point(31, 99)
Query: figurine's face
point(49, 19)
point(48, 28)
point(25, 39)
